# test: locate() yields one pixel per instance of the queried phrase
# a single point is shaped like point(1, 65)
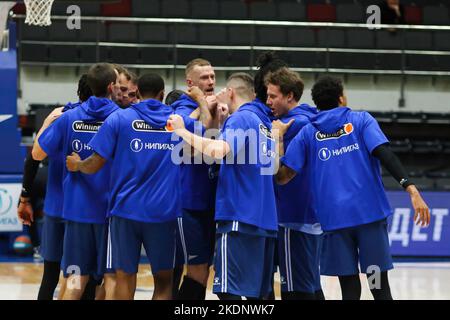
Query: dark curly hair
point(266, 62)
point(326, 92)
point(84, 92)
point(173, 96)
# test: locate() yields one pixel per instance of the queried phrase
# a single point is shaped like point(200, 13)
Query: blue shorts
point(196, 234)
point(127, 238)
point(52, 239)
point(84, 249)
point(367, 244)
point(243, 264)
point(299, 258)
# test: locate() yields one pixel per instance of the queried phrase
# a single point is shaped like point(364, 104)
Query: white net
point(5, 7)
point(38, 12)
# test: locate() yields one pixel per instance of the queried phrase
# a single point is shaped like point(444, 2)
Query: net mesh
point(38, 12)
point(5, 7)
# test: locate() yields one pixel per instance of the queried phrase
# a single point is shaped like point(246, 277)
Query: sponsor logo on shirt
point(136, 145)
point(142, 126)
point(77, 146)
point(216, 281)
point(81, 126)
point(344, 131)
point(325, 154)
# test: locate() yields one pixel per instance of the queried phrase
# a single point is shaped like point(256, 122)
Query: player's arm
point(216, 149)
point(89, 165)
point(393, 165)
point(38, 153)
point(203, 112)
point(283, 174)
point(25, 211)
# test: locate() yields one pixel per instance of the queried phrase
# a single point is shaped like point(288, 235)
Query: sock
point(191, 290)
point(50, 280)
point(384, 292)
point(297, 295)
point(350, 287)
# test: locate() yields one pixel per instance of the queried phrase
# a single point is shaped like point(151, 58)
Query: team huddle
point(245, 180)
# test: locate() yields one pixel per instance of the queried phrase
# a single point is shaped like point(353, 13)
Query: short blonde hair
point(196, 62)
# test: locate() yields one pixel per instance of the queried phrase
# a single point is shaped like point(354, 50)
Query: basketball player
point(121, 88)
point(344, 149)
point(53, 226)
point(85, 197)
point(299, 235)
point(145, 201)
point(198, 185)
point(245, 204)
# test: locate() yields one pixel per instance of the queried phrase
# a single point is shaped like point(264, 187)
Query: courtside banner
point(9, 197)
point(406, 238)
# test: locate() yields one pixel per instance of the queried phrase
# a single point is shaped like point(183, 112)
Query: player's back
point(294, 200)
point(144, 179)
point(339, 146)
point(86, 196)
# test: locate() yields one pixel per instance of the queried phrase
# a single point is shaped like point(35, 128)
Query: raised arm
point(216, 149)
point(38, 153)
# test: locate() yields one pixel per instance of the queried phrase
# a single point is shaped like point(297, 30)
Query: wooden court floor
point(409, 281)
